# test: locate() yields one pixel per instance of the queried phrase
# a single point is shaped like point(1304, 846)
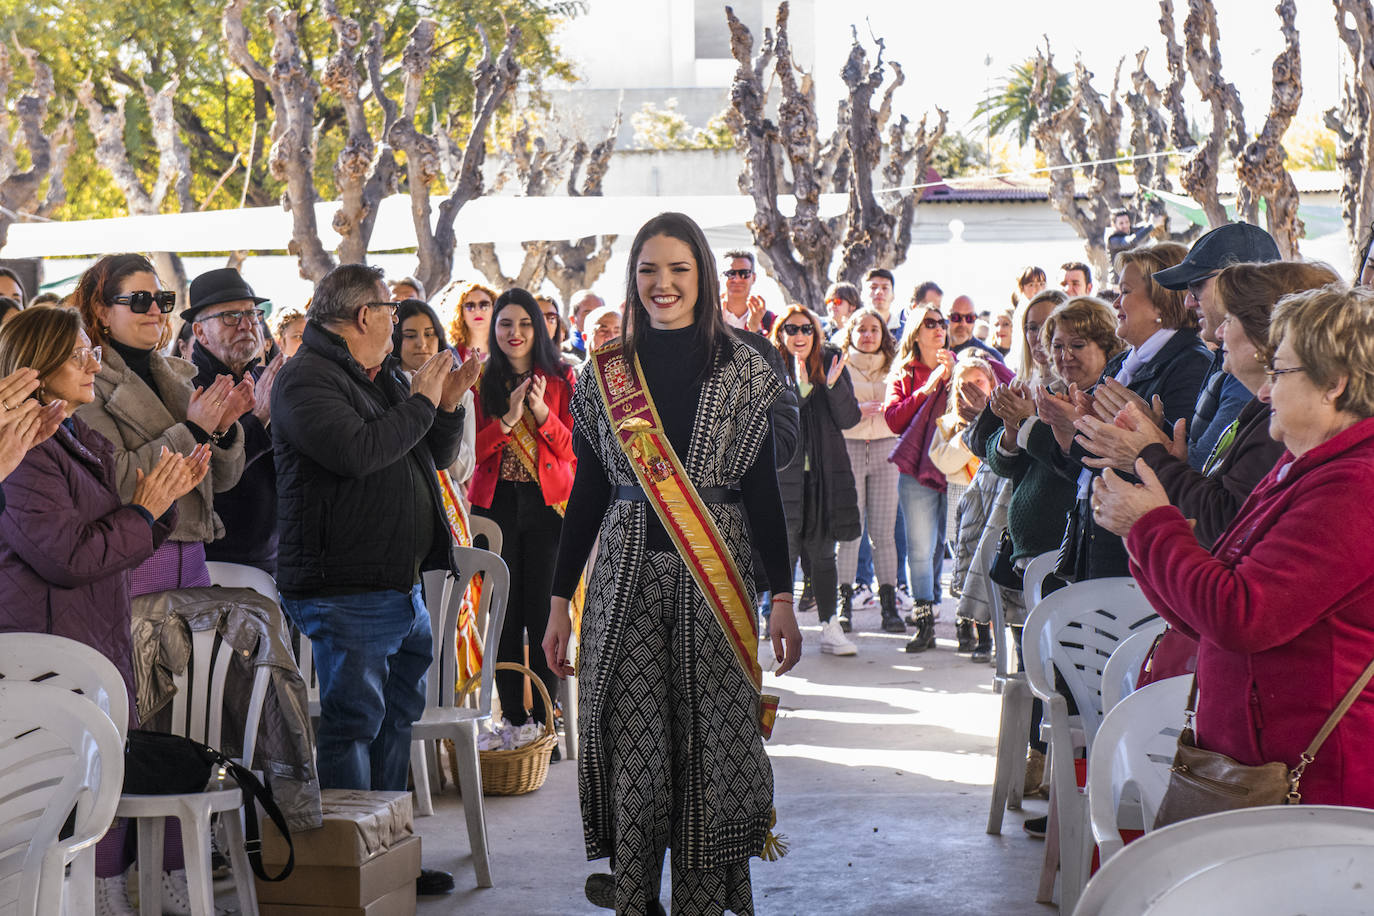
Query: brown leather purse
point(1206, 782)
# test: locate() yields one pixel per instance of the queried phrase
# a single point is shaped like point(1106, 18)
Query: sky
point(942, 47)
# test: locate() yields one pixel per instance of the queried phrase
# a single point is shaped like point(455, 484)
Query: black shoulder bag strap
point(255, 792)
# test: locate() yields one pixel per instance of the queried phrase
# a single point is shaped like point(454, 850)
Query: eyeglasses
point(230, 319)
point(139, 302)
point(792, 330)
point(83, 355)
point(741, 274)
point(931, 324)
point(391, 308)
point(477, 306)
point(1273, 373)
point(1197, 286)
point(957, 317)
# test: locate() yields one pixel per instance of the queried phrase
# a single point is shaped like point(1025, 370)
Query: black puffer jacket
point(356, 462)
point(829, 497)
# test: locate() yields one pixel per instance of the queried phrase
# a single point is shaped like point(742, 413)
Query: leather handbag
point(157, 763)
point(1004, 571)
point(1206, 782)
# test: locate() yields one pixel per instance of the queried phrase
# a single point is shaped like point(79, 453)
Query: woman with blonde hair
point(469, 307)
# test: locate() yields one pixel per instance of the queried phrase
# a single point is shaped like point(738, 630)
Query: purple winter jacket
point(67, 543)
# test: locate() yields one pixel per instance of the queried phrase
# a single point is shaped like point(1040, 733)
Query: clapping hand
point(1119, 504)
point(173, 477)
point(832, 375)
point(25, 425)
point(971, 401)
point(428, 380)
point(1013, 405)
point(517, 404)
point(756, 310)
point(457, 382)
point(239, 401)
point(534, 399)
point(1119, 443)
point(1060, 412)
point(262, 390)
point(1111, 397)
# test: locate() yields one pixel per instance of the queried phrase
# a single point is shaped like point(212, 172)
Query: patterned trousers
point(876, 480)
point(654, 736)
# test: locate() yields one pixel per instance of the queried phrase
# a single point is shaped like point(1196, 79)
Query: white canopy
point(486, 219)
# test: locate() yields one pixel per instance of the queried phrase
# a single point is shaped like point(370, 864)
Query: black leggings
point(529, 545)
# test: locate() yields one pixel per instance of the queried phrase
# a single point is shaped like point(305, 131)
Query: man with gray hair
point(582, 304)
point(360, 516)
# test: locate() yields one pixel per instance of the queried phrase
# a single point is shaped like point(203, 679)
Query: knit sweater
point(1040, 499)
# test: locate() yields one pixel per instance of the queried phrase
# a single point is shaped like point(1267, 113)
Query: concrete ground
point(883, 765)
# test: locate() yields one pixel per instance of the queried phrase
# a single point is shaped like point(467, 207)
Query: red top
point(557, 464)
point(903, 397)
point(1283, 610)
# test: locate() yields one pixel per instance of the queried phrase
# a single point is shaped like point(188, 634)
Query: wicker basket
point(522, 769)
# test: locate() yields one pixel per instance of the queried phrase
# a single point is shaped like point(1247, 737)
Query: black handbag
point(1003, 571)
point(157, 763)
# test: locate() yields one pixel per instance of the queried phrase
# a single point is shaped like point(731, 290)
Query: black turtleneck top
point(674, 363)
point(140, 361)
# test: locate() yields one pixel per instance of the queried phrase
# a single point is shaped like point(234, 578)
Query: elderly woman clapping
point(1283, 603)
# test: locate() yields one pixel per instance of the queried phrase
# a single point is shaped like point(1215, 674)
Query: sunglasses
point(957, 318)
point(792, 330)
point(1195, 289)
point(931, 324)
point(476, 306)
point(141, 301)
point(741, 273)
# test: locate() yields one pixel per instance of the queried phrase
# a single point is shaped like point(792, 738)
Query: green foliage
point(1010, 109)
point(667, 128)
point(1310, 144)
point(122, 44)
point(957, 154)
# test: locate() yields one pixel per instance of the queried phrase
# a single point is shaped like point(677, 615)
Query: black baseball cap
point(1234, 243)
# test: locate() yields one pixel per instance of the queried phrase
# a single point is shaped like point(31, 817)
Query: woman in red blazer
point(1282, 605)
point(524, 473)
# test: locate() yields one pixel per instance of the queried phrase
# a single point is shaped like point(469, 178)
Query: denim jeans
point(372, 652)
point(924, 511)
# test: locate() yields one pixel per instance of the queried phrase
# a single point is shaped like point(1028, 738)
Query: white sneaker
point(864, 599)
point(112, 896)
point(833, 640)
point(176, 895)
point(904, 602)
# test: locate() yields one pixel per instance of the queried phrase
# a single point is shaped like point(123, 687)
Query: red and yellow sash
point(526, 447)
point(684, 516)
point(469, 639)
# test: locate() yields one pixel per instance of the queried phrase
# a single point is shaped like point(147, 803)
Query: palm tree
point(1010, 107)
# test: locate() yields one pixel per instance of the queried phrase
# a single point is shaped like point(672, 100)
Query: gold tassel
point(774, 844)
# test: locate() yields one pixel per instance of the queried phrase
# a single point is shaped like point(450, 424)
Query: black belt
point(715, 495)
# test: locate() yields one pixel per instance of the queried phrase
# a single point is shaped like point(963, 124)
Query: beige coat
point(128, 413)
point(870, 384)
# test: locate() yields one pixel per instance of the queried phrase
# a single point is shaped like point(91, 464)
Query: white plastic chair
point(197, 713)
point(1075, 630)
point(1280, 859)
point(56, 661)
point(1014, 726)
point(59, 753)
point(1034, 577)
point(443, 716)
point(1131, 757)
point(1123, 668)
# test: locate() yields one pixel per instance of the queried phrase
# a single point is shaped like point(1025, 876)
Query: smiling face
point(868, 336)
point(515, 334)
point(607, 329)
point(419, 342)
point(666, 278)
point(931, 336)
point(961, 319)
point(1241, 358)
point(737, 286)
point(1002, 330)
point(74, 380)
point(1202, 300)
point(1077, 360)
point(1136, 316)
point(477, 316)
point(798, 335)
point(142, 332)
point(1302, 414)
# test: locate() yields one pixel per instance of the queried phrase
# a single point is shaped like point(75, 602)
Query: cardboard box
point(357, 826)
point(347, 885)
point(400, 902)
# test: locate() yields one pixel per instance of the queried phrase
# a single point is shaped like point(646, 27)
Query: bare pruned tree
point(1149, 137)
point(1087, 129)
point(294, 94)
point(1353, 122)
point(790, 157)
point(107, 125)
point(1261, 165)
point(1201, 52)
point(426, 155)
point(48, 149)
point(574, 265)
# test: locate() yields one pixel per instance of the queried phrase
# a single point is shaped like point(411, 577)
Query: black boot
point(924, 612)
point(887, 600)
point(846, 609)
point(963, 628)
point(982, 652)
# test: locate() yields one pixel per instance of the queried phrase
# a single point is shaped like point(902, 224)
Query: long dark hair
point(815, 360)
point(409, 308)
point(711, 329)
point(498, 377)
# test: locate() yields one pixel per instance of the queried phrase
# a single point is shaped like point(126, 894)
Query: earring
point(1159, 321)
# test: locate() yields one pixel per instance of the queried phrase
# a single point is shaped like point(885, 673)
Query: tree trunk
point(48, 153)
point(292, 157)
point(1353, 122)
point(576, 265)
point(1261, 166)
